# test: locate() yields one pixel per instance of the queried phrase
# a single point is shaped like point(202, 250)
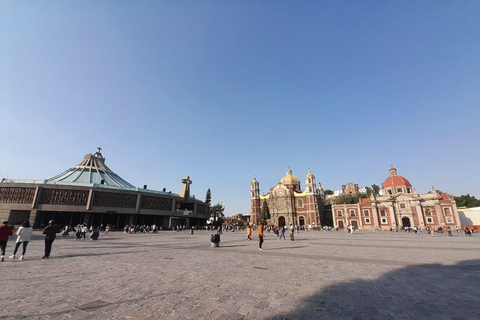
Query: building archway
point(301, 221)
point(281, 221)
point(406, 222)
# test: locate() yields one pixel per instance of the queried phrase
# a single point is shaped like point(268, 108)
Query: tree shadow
point(428, 291)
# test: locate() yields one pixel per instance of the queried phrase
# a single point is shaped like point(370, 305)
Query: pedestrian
point(282, 233)
point(432, 231)
point(50, 233)
point(260, 236)
point(5, 232)
point(249, 232)
point(449, 230)
point(24, 234)
point(107, 228)
point(292, 230)
point(352, 228)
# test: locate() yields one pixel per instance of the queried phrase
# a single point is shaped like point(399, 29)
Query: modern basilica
point(91, 193)
point(288, 203)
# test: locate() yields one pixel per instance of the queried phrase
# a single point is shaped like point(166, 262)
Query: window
point(449, 220)
point(366, 213)
point(429, 220)
point(399, 190)
point(384, 221)
point(402, 205)
point(409, 190)
point(352, 213)
point(383, 213)
point(339, 213)
point(389, 191)
point(447, 211)
point(367, 220)
point(428, 212)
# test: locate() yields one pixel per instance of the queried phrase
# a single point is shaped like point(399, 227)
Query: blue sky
point(224, 90)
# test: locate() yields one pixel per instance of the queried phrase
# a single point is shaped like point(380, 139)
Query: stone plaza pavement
point(175, 275)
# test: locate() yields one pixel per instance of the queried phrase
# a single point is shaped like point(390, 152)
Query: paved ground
point(321, 275)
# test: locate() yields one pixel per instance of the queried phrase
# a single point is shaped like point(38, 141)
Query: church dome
point(290, 178)
point(395, 180)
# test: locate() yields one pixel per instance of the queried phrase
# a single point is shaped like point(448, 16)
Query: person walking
point(50, 233)
point(260, 236)
point(107, 228)
point(24, 234)
point(249, 232)
point(5, 232)
point(292, 230)
point(282, 233)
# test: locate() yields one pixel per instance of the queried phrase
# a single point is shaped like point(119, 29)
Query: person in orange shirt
point(260, 236)
point(249, 232)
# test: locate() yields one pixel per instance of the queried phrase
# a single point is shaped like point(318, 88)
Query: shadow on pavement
point(428, 291)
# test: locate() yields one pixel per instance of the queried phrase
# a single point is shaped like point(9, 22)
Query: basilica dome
point(290, 178)
point(395, 180)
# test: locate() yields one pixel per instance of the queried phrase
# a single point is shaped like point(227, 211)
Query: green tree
point(375, 190)
point(265, 214)
point(216, 214)
point(208, 198)
point(467, 201)
point(328, 192)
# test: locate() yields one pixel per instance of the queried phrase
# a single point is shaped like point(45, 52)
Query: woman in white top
point(24, 234)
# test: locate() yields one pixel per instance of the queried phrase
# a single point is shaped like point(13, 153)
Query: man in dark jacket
point(50, 233)
point(5, 233)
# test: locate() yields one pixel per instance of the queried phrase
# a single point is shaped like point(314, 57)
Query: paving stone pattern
point(177, 275)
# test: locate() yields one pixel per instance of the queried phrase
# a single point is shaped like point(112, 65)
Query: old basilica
point(288, 203)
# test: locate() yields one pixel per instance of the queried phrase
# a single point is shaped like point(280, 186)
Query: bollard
point(215, 240)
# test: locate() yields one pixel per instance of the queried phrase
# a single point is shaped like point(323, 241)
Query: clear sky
point(224, 90)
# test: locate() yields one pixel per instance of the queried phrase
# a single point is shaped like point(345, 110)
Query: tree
point(375, 190)
point(216, 215)
point(208, 198)
point(265, 214)
point(467, 201)
point(369, 192)
point(328, 192)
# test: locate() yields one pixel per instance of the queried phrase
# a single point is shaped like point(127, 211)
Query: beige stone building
point(399, 206)
point(288, 203)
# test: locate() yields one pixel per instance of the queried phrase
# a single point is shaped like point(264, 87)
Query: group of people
point(24, 236)
point(141, 228)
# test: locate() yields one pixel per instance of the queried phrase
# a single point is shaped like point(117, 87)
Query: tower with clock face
point(288, 203)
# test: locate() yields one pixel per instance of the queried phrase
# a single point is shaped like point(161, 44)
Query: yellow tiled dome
point(289, 178)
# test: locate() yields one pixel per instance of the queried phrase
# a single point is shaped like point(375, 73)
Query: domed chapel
point(288, 203)
point(399, 206)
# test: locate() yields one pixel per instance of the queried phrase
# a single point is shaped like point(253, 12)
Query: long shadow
point(428, 291)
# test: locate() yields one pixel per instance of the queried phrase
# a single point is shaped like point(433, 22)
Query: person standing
point(50, 233)
point(260, 236)
point(282, 233)
point(292, 230)
point(5, 232)
point(24, 234)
